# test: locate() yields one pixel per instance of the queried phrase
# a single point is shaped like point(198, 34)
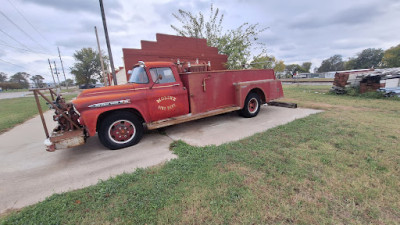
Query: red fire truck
point(159, 94)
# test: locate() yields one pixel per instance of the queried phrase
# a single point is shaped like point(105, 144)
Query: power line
point(22, 49)
point(12, 63)
point(14, 39)
point(31, 71)
point(27, 20)
point(1, 12)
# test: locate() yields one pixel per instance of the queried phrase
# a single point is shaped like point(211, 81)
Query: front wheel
point(120, 130)
point(251, 106)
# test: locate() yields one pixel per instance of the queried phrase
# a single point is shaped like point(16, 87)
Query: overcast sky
point(299, 31)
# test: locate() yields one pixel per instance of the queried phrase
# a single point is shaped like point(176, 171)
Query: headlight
point(77, 112)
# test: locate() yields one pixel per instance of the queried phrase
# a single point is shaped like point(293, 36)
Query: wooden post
point(62, 66)
point(41, 114)
point(51, 69)
point(103, 16)
point(101, 57)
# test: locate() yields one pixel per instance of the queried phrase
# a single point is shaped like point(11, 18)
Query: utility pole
point(51, 69)
point(55, 67)
point(101, 57)
point(108, 42)
point(62, 66)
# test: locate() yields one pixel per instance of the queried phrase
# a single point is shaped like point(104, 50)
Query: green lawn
point(18, 110)
point(341, 166)
point(307, 80)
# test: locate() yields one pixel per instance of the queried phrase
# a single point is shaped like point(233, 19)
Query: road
point(29, 174)
point(6, 95)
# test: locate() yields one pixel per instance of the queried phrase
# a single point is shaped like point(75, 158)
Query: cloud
point(289, 47)
point(356, 15)
point(2, 53)
point(165, 10)
point(78, 42)
point(77, 5)
point(351, 16)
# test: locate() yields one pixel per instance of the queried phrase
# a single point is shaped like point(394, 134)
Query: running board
point(189, 117)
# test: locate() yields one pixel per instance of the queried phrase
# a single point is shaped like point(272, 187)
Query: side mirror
point(156, 81)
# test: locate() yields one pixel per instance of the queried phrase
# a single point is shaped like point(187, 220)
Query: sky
point(298, 31)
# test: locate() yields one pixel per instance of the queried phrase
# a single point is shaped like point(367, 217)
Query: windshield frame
point(133, 74)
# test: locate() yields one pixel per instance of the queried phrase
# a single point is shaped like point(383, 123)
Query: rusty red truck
point(159, 94)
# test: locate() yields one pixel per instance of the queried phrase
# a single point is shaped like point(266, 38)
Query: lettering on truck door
point(167, 98)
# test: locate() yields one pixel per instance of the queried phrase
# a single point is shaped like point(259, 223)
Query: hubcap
point(253, 105)
point(121, 131)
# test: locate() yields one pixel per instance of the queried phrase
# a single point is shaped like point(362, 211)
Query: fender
point(89, 118)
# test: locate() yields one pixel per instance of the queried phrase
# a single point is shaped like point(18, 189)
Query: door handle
point(204, 82)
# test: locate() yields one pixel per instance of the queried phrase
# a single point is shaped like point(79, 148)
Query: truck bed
point(211, 90)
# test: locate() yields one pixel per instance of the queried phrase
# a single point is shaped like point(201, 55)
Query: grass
point(63, 89)
point(307, 80)
point(341, 166)
point(17, 110)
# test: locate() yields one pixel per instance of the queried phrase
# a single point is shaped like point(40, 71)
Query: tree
point(236, 43)
point(267, 62)
point(21, 78)
point(368, 58)
point(38, 81)
point(292, 69)
point(279, 66)
point(87, 68)
point(391, 57)
point(350, 64)
point(3, 77)
point(196, 26)
point(68, 82)
point(306, 66)
point(334, 63)
point(263, 62)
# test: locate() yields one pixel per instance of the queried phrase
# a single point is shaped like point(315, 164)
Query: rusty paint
point(61, 111)
point(67, 139)
point(67, 134)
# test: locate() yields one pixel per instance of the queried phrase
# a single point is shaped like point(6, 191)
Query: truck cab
point(166, 96)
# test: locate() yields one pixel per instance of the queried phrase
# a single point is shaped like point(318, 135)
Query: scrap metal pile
point(384, 80)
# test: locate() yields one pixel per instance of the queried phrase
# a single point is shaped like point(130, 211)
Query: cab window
point(166, 74)
point(139, 76)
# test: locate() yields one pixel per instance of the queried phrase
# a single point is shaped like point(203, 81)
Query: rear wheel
point(120, 130)
point(251, 106)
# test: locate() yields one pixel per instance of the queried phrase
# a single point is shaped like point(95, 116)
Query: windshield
point(139, 76)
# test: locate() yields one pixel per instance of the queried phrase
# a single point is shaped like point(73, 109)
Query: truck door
point(167, 98)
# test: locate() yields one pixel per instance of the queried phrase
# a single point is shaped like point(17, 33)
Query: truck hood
point(106, 90)
point(107, 94)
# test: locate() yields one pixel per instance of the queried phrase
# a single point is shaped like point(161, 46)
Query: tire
point(252, 106)
point(120, 130)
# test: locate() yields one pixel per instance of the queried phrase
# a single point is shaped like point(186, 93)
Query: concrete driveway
point(29, 174)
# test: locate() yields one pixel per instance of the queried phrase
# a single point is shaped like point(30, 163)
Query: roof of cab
point(157, 64)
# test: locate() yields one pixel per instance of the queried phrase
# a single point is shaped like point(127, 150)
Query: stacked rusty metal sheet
point(367, 80)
